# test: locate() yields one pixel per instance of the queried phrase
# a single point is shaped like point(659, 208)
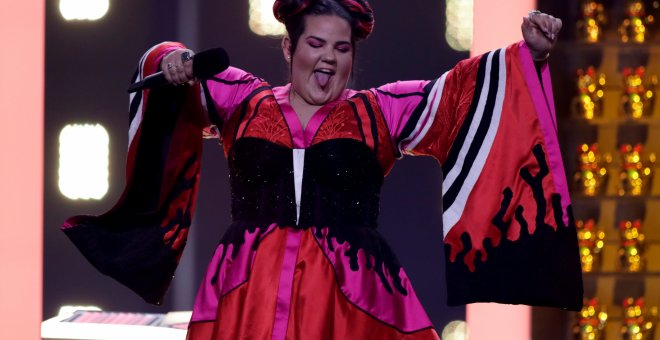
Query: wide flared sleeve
point(140, 240)
point(508, 228)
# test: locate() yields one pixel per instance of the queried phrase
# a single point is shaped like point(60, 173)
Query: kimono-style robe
point(303, 258)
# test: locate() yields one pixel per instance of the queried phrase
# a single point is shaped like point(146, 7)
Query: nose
point(329, 56)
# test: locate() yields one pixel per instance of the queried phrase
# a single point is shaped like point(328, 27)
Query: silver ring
point(185, 56)
point(169, 66)
point(534, 11)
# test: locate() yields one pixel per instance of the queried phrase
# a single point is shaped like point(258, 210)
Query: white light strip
point(56, 328)
point(84, 152)
point(84, 9)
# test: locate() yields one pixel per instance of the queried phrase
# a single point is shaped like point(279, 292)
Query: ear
point(286, 48)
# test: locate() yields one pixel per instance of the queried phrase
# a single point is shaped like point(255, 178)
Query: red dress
point(303, 258)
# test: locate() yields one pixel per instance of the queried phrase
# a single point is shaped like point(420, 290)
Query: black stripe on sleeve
point(214, 116)
point(135, 103)
point(462, 133)
point(244, 106)
point(235, 82)
point(372, 117)
point(357, 119)
point(254, 113)
point(484, 125)
point(417, 113)
point(401, 95)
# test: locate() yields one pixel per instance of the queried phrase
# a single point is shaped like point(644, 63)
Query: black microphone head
point(208, 63)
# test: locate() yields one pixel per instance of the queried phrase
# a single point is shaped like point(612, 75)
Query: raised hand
point(540, 32)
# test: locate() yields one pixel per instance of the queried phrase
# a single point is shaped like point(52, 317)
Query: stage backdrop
point(497, 25)
point(88, 68)
point(21, 167)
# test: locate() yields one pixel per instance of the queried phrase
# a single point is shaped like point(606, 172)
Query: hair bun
point(360, 11)
point(363, 14)
point(285, 9)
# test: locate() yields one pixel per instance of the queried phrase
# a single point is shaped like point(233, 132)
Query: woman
point(303, 259)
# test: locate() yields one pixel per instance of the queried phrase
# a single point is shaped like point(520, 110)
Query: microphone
point(206, 64)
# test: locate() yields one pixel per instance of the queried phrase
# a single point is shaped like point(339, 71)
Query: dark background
point(88, 67)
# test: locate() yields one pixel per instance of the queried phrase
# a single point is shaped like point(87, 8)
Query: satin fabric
point(248, 312)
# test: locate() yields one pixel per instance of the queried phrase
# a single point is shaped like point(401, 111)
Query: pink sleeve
point(227, 90)
point(507, 222)
point(398, 101)
point(425, 112)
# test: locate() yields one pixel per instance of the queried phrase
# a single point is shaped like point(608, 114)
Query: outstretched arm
point(139, 241)
point(508, 230)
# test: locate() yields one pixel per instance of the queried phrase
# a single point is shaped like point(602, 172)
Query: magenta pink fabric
point(231, 273)
point(364, 289)
point(397, 110)
point(542, 97)
point(236, 84)
point(286, 284)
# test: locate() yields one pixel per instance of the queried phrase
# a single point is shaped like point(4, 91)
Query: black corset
point(340, 187)
point(340, 191)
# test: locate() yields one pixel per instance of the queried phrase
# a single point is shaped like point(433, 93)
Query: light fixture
point(83, 170)
point(262, 21)
point(84, 9)
point(459, 24)
point(455, 330)
point(69, 310)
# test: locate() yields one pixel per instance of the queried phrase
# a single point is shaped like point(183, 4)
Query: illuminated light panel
point(84, 151)
point(84, 9)
point(70, 310)
point(459, 24)
point(262, 21)
point(455, 330)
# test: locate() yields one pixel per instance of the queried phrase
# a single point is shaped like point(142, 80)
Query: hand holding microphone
point(183, 66)
point(177, 67)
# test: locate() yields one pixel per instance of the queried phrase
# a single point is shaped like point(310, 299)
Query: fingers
point(527, 24)
point(534, 33)
point(549, 25)
point(540, 32)
point(177, 67)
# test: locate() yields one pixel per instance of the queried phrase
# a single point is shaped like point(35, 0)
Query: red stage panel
point(495, 26)
point(21, 167)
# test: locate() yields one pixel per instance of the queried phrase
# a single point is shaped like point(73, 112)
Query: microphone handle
point(156, 79)
point(205, 65)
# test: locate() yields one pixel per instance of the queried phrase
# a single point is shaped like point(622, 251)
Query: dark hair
point(292, 13)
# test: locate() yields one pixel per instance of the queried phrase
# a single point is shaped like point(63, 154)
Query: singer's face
point(322, 62)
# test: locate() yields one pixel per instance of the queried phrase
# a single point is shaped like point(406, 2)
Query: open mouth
point(323, 76)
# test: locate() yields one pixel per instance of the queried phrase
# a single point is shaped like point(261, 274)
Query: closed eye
point(343, 46)
point(315, 42)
